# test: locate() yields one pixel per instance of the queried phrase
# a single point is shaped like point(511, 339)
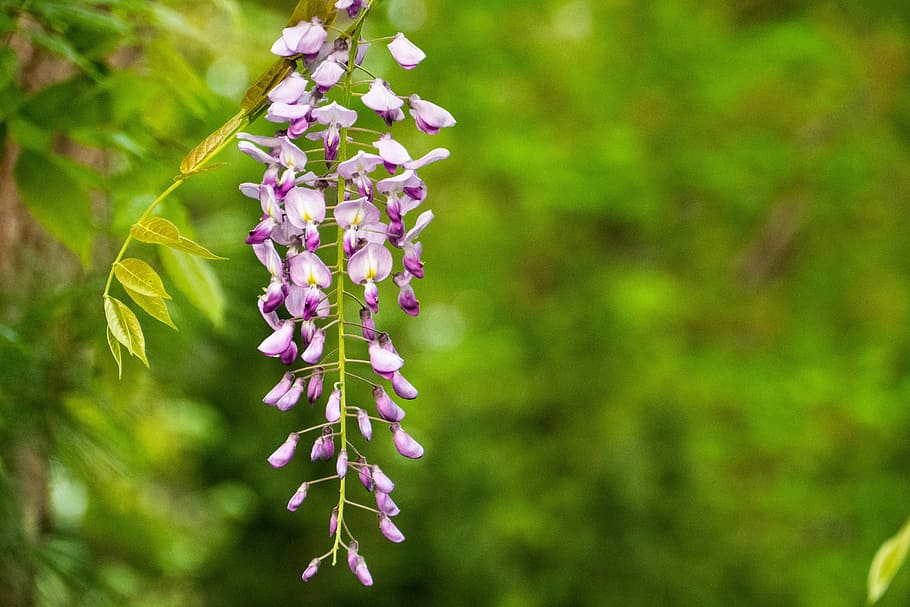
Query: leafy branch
point(140, 281)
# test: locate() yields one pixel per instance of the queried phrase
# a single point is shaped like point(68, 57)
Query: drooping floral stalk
point(307, 293)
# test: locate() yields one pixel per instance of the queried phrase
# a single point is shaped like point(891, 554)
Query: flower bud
point(367, 325)
point(311, 570)
point(363, 422)
point(389, 530)
point(333, 406)
point(314, 388)
point(341, 466)
point(384, 361)
point(279, 390)
point(333, 522)
point(403, 387)
point(362, 573)
point(298, 497)
point(290, 398)
point(285, 452)
point(365, 474)
point(387, 408)
point(386, 504)
point(405, 443)
point(380, 480)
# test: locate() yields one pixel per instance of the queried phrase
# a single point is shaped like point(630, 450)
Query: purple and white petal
point(389, 530)
point(429, 116)
point(405, 443)
point(278, 342)
point(405, 52)
point(285, 452)
point(372, 263)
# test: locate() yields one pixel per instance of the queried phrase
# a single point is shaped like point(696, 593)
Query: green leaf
point(196, 280)
point(114, 345)
point(57, 201)
point(155, 306)
point(139, 276)
point(61, 46)
point(157, 230)
point(307, 9)
point(123, 324)
point(887, 562)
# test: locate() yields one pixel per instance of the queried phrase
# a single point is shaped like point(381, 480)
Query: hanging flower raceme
point(324, 229)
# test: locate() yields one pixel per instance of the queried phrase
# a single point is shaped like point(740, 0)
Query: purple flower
point(382, 360)
point(387, 408)
point(369, 265)
point(403, 387)
point(367, 326)
point(306, 269)
point(357, 169)
point(405, 443)
point(393, 154)
point(285, 452)
point(310, 570)
point(324, 446)
point(366, 478)
point(382, 482)
point(279, 390)
point(276, 343)
point(305, 38)
point(334, 117)
point(291, 90)
point(352, 6)
point(384, 102)
point(314, 388)
point(341, 465)
point(298, 497)
point(327, 74)
point(389, 530)
point(333, 406)
point(290, 398)
point(361, 571)
point(386, 504)
point(405, 53)
point(363, 422)
point(429, 116)
point(333, 522)
point(313, 351)
point(407, 300)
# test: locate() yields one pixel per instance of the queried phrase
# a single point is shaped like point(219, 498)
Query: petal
point(372, 263)
point(278, 342)
point(356, 212)
point(279, 390)
point(380, 480)
point(334, 113)
point(428, 158)
point(289, 90)
point(403, 387)
point(290, 398)
point(384, 361)
point(307, 269)
point(341, 465)
point(333, 406)
point(304, 205)
point(310, 570)
point(423, 220)
point(405, 53)
point(391, 151)
point(380, 97)
point(405, 443)
point(297, 499)
point(313, 351)
point(363, 422)
point(389, 530)
point(327, 74)
point(386, 407)
point(432, 116)
point(285, 452)
point(360, 163)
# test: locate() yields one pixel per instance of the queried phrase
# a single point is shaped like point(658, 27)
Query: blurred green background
point(663, 350)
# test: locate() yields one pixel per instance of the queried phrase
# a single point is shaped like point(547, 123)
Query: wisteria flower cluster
point(338, 188)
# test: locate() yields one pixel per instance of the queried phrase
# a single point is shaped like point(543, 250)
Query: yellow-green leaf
point(139, 276)
point(887, 562)
point(195, 279)
point(114, 345)
point(155, 306)
point(212, 144)
point(257, 94)
point(157, 230)
point(124, 326)
point(307, 9)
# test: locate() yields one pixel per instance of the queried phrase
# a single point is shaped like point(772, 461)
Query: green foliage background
point(663, 350)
